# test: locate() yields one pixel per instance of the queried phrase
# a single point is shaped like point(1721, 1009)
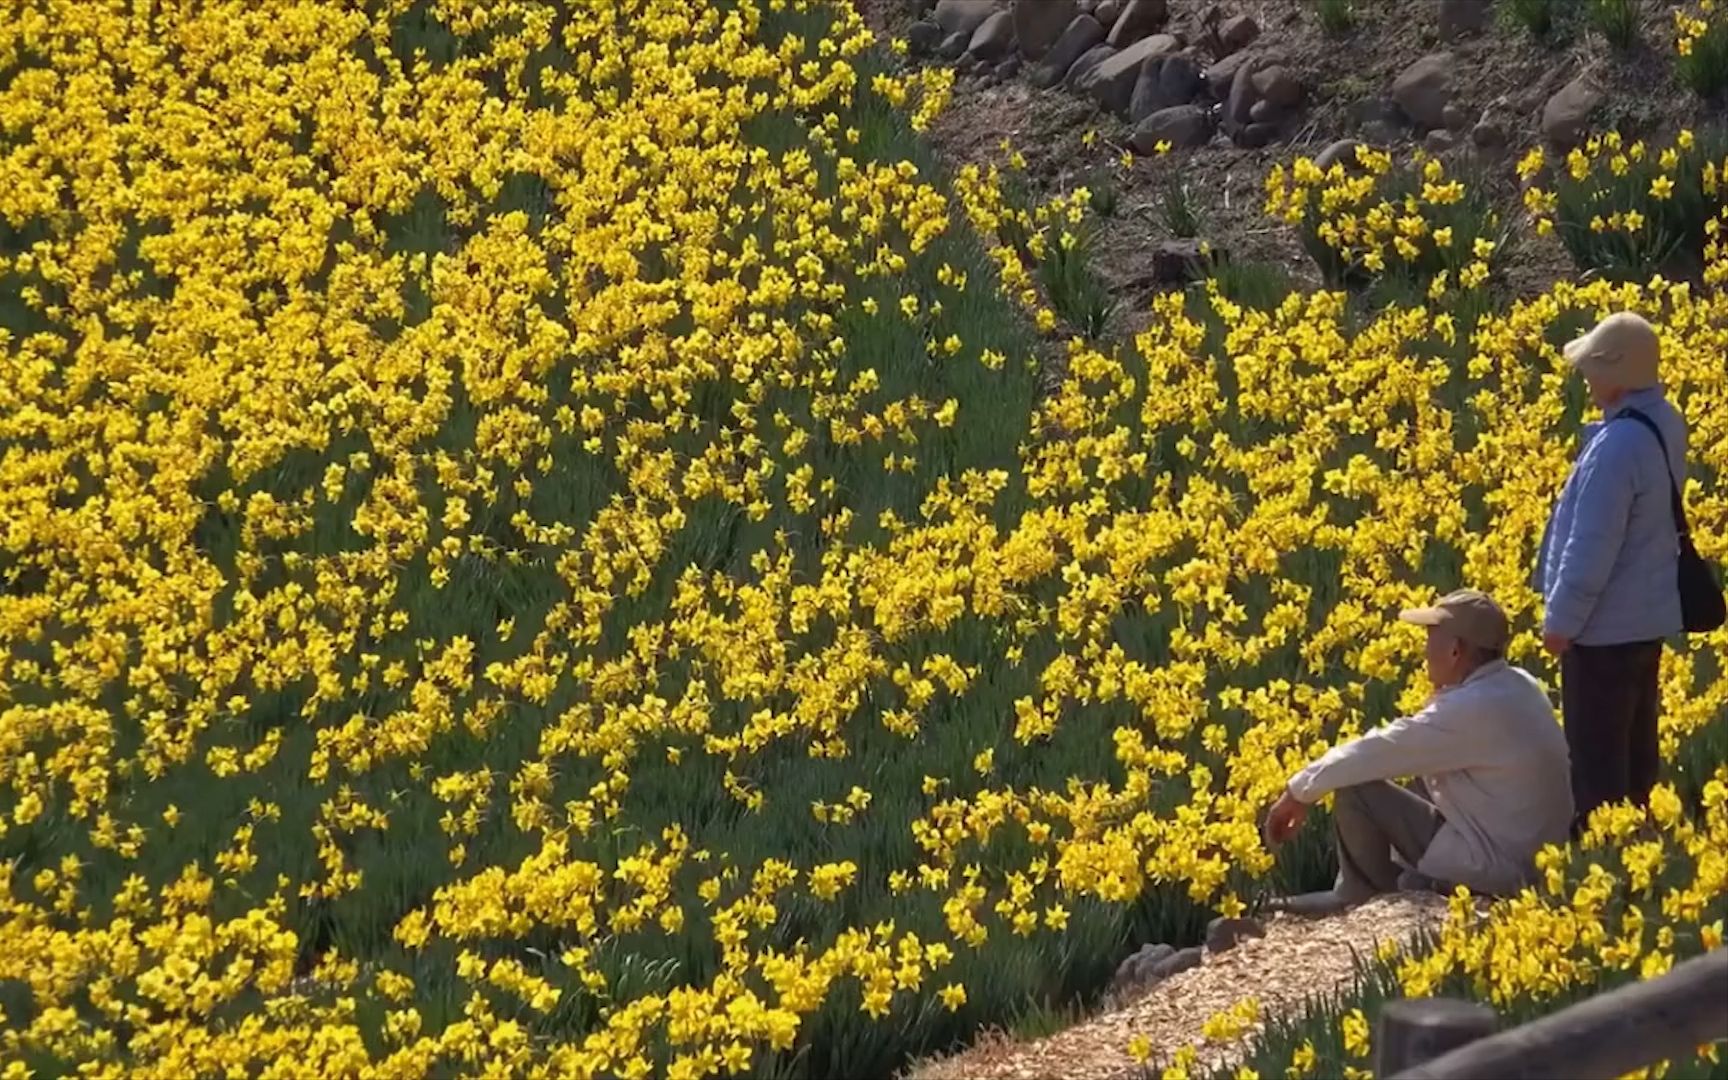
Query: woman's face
point(1603, 392)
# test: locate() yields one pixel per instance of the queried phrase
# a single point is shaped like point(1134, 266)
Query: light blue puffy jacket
point(1610, 558)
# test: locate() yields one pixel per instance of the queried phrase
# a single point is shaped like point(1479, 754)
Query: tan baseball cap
point(1468, 615)
point(1622, 348)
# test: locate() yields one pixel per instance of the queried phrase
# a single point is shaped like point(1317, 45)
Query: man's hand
point(1285, 817)
point(1555, 644)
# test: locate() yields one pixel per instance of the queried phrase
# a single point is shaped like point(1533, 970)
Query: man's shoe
point(1311, 905)
point(1412, 881)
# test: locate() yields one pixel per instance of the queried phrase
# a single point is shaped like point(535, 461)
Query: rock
point(1263, 112)
point(1343, 150)
point(1182, 959)
point(1259, 133)
point(1082, 69)
point(1087, 7)
point(1106, 14)
point(994, 37)
point(1276, 84)
point(1240, 103)
point(1180, 125)
point(1567, 112)
point(922, 38)
point(1138, 19)
point(1081, 34)
point(1111, 81)
point(1460, 17)
point(1134, 972)
point(1224, 933)
point(1238, 33)
point(963, 16)
point(1424, 88)
point(1038, 23)
point(1455, 116)
point(1439, 141)
point(1221, 75)
point(1381, 132)
point(1164, 81)
point(1008, 68)
point(953, 45)
point(1488, 134)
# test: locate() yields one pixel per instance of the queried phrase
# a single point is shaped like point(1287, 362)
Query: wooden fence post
point(1604, 1036)
point(1415, 1030)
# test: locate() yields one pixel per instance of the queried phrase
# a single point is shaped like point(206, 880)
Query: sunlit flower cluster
point(529, 547)
point(1364, 215)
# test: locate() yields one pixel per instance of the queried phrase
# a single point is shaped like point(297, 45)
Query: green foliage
point(1176, 211)
point(1535, 16)
point(1703, 60)
point(1075, 290)
point(1336, 16)
point(1615, 20)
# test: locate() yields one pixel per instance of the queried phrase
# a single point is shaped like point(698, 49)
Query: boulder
point(1180, 125)
point(1111, 82)
point(1423, 89)
point(963, 16)
point(1455, 116)
point(953, 45)
point(1138, 19)
point(1220, 76)
point(1256, 134)
point(1488, 135)
point(1238, 33)
point(1140, 963)
point(1182, 959)
point(1460, 17)
point(1277, 84)
point(1224, 933)
point(994, 37)
point(1082, 69)
point(923, 38)
point(1439, 141)
point(1038, 23)
point(1240, 103)
point(1263, 112)
point(1164, 81)
point(1339, 150)
point(1082, 34)
point(1568, 112)
point(1106, 14)
point(1008, 68)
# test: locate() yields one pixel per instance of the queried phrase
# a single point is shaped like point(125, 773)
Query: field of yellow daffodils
point(531, 543)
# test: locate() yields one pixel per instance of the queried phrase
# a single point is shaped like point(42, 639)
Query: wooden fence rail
point(1605, 1036)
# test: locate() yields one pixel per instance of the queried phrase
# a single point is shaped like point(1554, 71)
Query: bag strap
point(1679, 504)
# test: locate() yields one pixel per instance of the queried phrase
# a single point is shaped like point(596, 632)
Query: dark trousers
point(1608, 699)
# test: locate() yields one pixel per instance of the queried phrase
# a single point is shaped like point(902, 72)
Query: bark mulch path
point(1298, 959)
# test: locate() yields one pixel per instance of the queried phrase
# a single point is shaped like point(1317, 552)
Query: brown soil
point(1502, 73)
point(1298, 960)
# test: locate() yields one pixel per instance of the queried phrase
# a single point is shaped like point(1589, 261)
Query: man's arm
point(1436, 739)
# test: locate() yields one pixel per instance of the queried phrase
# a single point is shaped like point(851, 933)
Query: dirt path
point(1297, 959)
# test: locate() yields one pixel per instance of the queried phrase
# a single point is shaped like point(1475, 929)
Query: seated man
point(1493, 761)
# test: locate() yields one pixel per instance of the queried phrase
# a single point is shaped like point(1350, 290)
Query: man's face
point(1445, 656)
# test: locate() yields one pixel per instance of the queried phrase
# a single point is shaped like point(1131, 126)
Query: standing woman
point(1609, 565)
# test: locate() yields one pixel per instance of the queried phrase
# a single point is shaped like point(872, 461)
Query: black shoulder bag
point(1702, 607)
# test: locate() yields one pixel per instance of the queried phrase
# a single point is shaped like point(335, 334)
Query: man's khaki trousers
point(1371, 821)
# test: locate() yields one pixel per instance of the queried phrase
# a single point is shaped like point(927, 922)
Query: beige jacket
point(1495, 763)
